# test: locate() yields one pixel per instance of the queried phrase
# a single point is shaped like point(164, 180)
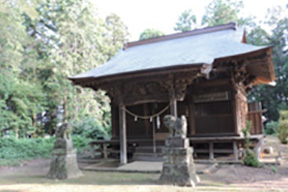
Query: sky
point(163, 14)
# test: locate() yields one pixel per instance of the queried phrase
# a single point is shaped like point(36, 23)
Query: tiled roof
point(200, 46)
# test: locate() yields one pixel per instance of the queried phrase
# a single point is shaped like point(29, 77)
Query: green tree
point(186, 21)
point(276, 21)
point(150, 33)
point(224, 11)
point(72, 39)
point(116, 34)
point(20, 99)
point(258, 36)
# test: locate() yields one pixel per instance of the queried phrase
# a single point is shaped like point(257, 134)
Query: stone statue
point(178, 164)
point(63, 138)
point(64, 161)
point(177, 126)
point(63, 132)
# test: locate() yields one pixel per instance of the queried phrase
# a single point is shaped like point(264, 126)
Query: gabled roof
point(197, 47)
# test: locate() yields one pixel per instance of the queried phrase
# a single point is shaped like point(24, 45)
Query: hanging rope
point(147, 117)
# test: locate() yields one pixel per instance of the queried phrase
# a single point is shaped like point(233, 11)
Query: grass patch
point(13, 151)
point(9, 162)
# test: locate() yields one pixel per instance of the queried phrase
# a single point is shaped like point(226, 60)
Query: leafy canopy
point(186, 21)
point(150, 33)
point(220, 12)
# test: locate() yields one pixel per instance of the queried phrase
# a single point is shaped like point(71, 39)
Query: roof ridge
point(231, 25)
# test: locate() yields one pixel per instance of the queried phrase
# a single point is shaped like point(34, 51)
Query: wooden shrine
point(204, 74)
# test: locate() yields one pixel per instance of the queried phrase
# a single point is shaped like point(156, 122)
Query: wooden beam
point(142, 99)
point(123, 134)
point(210, 83)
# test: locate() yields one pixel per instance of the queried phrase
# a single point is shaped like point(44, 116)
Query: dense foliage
point(271, 128)
point(42, 43)
point(89, 127)
point(20, 99)
point(11, 148)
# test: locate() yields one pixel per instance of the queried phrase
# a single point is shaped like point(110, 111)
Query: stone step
point(147, 157)
point(148, 149)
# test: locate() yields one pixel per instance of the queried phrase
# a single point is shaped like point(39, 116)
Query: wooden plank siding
point(255, 116)
point(211, 109)
point(214, 117)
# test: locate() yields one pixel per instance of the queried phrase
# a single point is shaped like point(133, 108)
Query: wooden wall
point(255, 116)
point(212, 108)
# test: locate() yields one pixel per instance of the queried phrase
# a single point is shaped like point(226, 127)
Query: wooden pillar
point(211, 150)
point(146, 121)
point(123, 134)
point(113, 119)
point(258, 148)
point(235, 111)
point(191, 119)
point(105, 153)
point(173, 103)
point(154, 139)
point(173, 107)
point(235, 150)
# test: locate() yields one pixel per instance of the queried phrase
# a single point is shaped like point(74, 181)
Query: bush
point(80, 142)
point(90, 127)
point(23, 149)
point(12, 150)
point(271, 128)
point(251, 159)
point(283, 127)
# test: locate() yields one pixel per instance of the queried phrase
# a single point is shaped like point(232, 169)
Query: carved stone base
point(64, 165)
point(178, 164)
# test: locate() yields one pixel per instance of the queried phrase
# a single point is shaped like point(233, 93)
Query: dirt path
point(30, 177)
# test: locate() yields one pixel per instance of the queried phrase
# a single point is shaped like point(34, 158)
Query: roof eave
point(202, 67)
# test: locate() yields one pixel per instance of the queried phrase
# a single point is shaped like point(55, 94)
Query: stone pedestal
point(64, 160)
point(178, 164)
point(64, 165)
